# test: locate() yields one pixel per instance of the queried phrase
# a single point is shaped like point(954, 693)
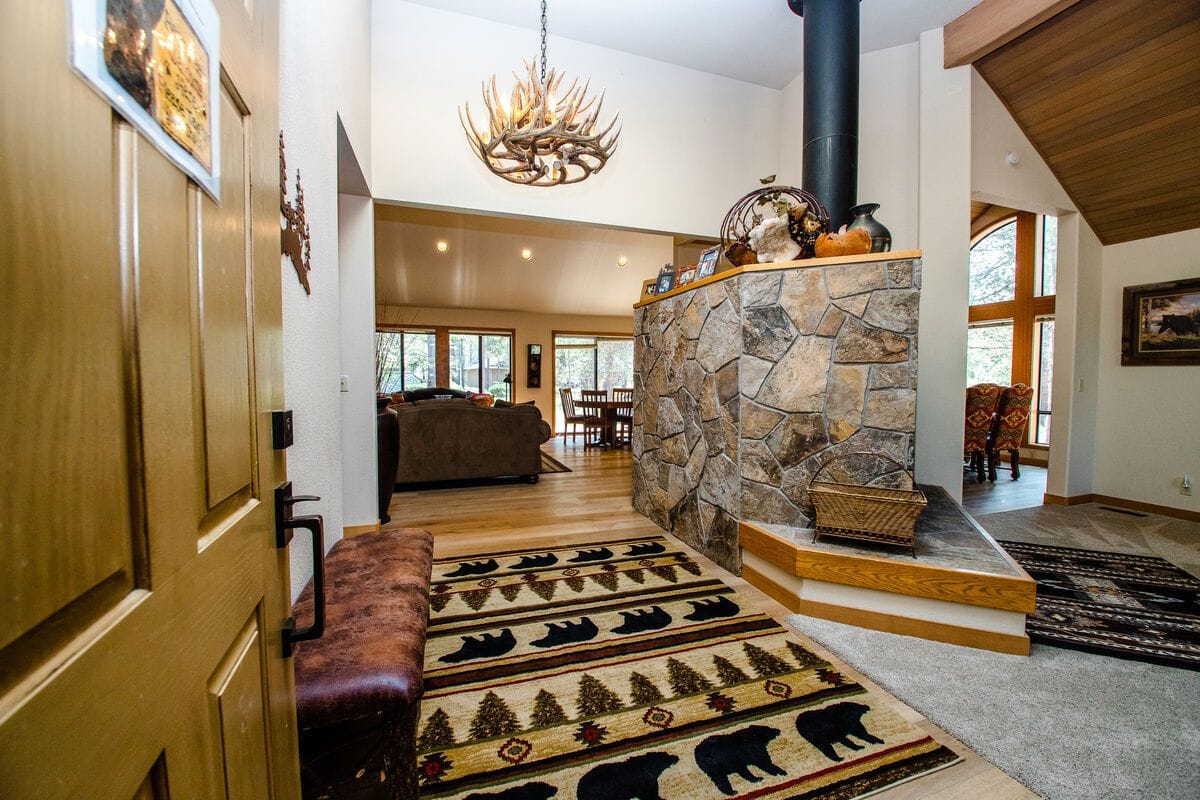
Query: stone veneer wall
point(744, 388)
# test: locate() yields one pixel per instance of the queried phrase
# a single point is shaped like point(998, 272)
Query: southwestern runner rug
point(1137, 607)
point(623, 670)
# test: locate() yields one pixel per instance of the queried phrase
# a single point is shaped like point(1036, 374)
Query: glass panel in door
point(497, 361)
point(464, 362)
point(614, 363)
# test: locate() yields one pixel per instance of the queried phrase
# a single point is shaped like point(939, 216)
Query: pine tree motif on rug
point(437, 734)
point(510, 591)
point(606, 579)
point(546, 710)
point(493, 718)
point(476, 598)
point(765, 664)
point(728, 672)
point(642, 690)
point(806, 657)
point(595, 698)
point(684, 679)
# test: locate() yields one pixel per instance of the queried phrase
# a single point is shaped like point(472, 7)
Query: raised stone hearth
point(747, 386)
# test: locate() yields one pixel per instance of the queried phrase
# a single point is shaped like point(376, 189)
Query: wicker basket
point(868, 513)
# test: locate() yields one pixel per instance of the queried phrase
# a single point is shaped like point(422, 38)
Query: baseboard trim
point(355, 530)
point(888, 623)
point(1135, 505)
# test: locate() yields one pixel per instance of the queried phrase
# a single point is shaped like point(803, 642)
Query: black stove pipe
point(831, 103)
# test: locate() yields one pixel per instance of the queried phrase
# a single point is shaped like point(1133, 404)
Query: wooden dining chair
point(623, 398)
point(571, 415)
point(594, 415)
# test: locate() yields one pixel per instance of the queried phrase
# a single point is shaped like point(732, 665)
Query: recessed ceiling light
point(442, 247)
point(526, 254)
point(622, 261)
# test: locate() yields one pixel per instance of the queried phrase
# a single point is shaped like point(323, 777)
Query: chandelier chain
point(543, 42)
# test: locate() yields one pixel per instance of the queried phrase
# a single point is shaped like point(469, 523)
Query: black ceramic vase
point(387, 429)
point(881, 237)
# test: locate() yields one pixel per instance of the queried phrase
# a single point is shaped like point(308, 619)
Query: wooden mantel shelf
point(894, 255)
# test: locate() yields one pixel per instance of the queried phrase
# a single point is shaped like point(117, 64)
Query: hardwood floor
point(592, 503)
point(1005, 494)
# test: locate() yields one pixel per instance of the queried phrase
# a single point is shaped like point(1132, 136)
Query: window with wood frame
point(467, 359)
point(1010, 338)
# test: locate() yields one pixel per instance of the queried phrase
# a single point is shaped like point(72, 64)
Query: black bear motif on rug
point(532, 562)
point(712, 609)
point(488, 645)
point(835, 724)
point(599, 554)
point(645, 549)
point(474, 568)
point(529, 791)
point(643, 620)
point(634, 778)
point(735, 753)
point(567, 632)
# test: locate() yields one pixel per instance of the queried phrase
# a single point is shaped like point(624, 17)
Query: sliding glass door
point(481, 362)
point(589, 362)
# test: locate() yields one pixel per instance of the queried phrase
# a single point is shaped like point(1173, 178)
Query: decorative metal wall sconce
point(295, 237)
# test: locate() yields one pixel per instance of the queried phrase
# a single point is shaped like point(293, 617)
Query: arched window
point(1010, 338)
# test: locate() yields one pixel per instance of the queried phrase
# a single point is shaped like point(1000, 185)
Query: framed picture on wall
point(1160, 323)
point(708, 262)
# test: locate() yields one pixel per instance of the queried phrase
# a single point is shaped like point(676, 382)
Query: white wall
point(529, 329)
point(888, 134)
point(322, 75)
point(1147, 433)
point(944, 235)
point(692, 142)
point(356, 226)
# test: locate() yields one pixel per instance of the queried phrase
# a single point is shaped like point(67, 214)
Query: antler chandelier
point(541, 136)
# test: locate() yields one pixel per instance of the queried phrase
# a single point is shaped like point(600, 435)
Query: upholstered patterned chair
point(982, 402)
point(1008, 431)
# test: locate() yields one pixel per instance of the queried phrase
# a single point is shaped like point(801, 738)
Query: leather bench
point(358, 687)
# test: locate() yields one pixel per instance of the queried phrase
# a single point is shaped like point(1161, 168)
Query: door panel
point(67, 460)
point(237, 691)
point(223, 314)
point(140, 648)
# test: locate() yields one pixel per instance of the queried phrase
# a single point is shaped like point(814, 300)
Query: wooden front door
point(141, 595)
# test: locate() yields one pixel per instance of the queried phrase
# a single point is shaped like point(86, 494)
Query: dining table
point(608, 411)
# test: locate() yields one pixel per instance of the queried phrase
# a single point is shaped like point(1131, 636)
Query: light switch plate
point(345, 384)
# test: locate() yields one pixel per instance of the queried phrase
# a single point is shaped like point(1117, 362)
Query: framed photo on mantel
point(1160, 324)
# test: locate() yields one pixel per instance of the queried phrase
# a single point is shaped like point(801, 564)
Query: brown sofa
point(449, 440)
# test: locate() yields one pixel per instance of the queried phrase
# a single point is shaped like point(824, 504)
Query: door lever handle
point(285, 525)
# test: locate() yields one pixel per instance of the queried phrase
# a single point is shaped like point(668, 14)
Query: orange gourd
point(843, 243)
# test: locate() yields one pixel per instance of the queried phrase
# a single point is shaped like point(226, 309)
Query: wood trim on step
point(1009, 593)
point(1135, 505)
point(355, 530)
point(889, 623)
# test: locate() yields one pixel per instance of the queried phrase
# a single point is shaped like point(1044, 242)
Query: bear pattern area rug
point(623, 670)
point(1138, 607)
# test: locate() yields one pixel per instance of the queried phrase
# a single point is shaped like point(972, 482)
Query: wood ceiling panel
point(1108, 91)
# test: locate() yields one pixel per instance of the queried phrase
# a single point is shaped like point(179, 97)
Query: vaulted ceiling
point(1108, 91)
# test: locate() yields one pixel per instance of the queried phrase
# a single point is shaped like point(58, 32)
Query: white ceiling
point(758, 41)
point(573, 270)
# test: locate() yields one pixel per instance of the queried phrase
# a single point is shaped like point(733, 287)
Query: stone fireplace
point(747, 385)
